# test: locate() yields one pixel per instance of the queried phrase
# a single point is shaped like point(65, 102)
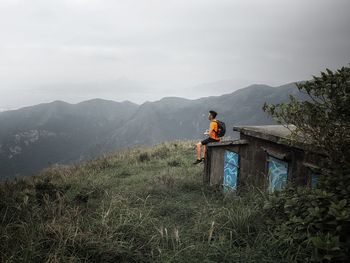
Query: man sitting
point(212, 137)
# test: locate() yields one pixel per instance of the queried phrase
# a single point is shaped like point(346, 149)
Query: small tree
point(318, 219)
point(323, 123)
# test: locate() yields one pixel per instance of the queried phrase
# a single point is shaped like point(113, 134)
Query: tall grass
point(138, 205)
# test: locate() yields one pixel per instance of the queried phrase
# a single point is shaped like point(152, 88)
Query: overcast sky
point(141, 50)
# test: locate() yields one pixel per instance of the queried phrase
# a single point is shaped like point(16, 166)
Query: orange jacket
point(213, 130)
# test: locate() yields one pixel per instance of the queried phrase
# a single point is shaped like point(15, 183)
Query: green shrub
point(174, 163)
point(144, 157)
point(312, 218)
point(318, 219)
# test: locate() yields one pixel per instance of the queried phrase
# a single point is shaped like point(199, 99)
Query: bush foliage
point(318, 218)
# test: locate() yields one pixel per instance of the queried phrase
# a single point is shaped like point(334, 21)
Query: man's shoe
point(197, 161)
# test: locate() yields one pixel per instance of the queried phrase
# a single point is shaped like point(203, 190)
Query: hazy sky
point(141, 50)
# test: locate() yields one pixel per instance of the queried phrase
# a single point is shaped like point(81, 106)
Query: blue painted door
point(277, 174)
point(314, 179)
point(230, 170)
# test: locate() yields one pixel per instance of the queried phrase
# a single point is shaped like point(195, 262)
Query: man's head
point(212, 115)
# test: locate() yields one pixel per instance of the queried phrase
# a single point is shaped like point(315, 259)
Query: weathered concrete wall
point(253, 163)
point(217, 167)
point(215, 164)
point(255, 156)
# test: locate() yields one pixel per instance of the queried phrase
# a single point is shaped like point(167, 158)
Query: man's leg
point(204, 151)
point(199, 151)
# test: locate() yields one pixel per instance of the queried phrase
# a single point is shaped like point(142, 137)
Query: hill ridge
point(31, 138)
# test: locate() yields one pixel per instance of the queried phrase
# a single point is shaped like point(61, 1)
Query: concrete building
point(261, 157)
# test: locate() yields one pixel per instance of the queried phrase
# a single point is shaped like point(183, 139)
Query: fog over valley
point(75, 50)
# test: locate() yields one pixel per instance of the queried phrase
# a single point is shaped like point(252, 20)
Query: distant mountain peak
point(96, 101)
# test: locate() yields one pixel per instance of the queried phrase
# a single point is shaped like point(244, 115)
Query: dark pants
point(208, 140)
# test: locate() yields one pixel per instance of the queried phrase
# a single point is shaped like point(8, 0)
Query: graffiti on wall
point(230, 171)
point(277, 173)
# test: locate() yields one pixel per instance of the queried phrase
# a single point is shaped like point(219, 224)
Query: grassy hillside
point(139, 205)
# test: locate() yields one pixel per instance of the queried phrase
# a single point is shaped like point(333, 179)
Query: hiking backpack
point(221, 128)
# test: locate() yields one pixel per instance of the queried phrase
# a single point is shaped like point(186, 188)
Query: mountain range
point(32, 138)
